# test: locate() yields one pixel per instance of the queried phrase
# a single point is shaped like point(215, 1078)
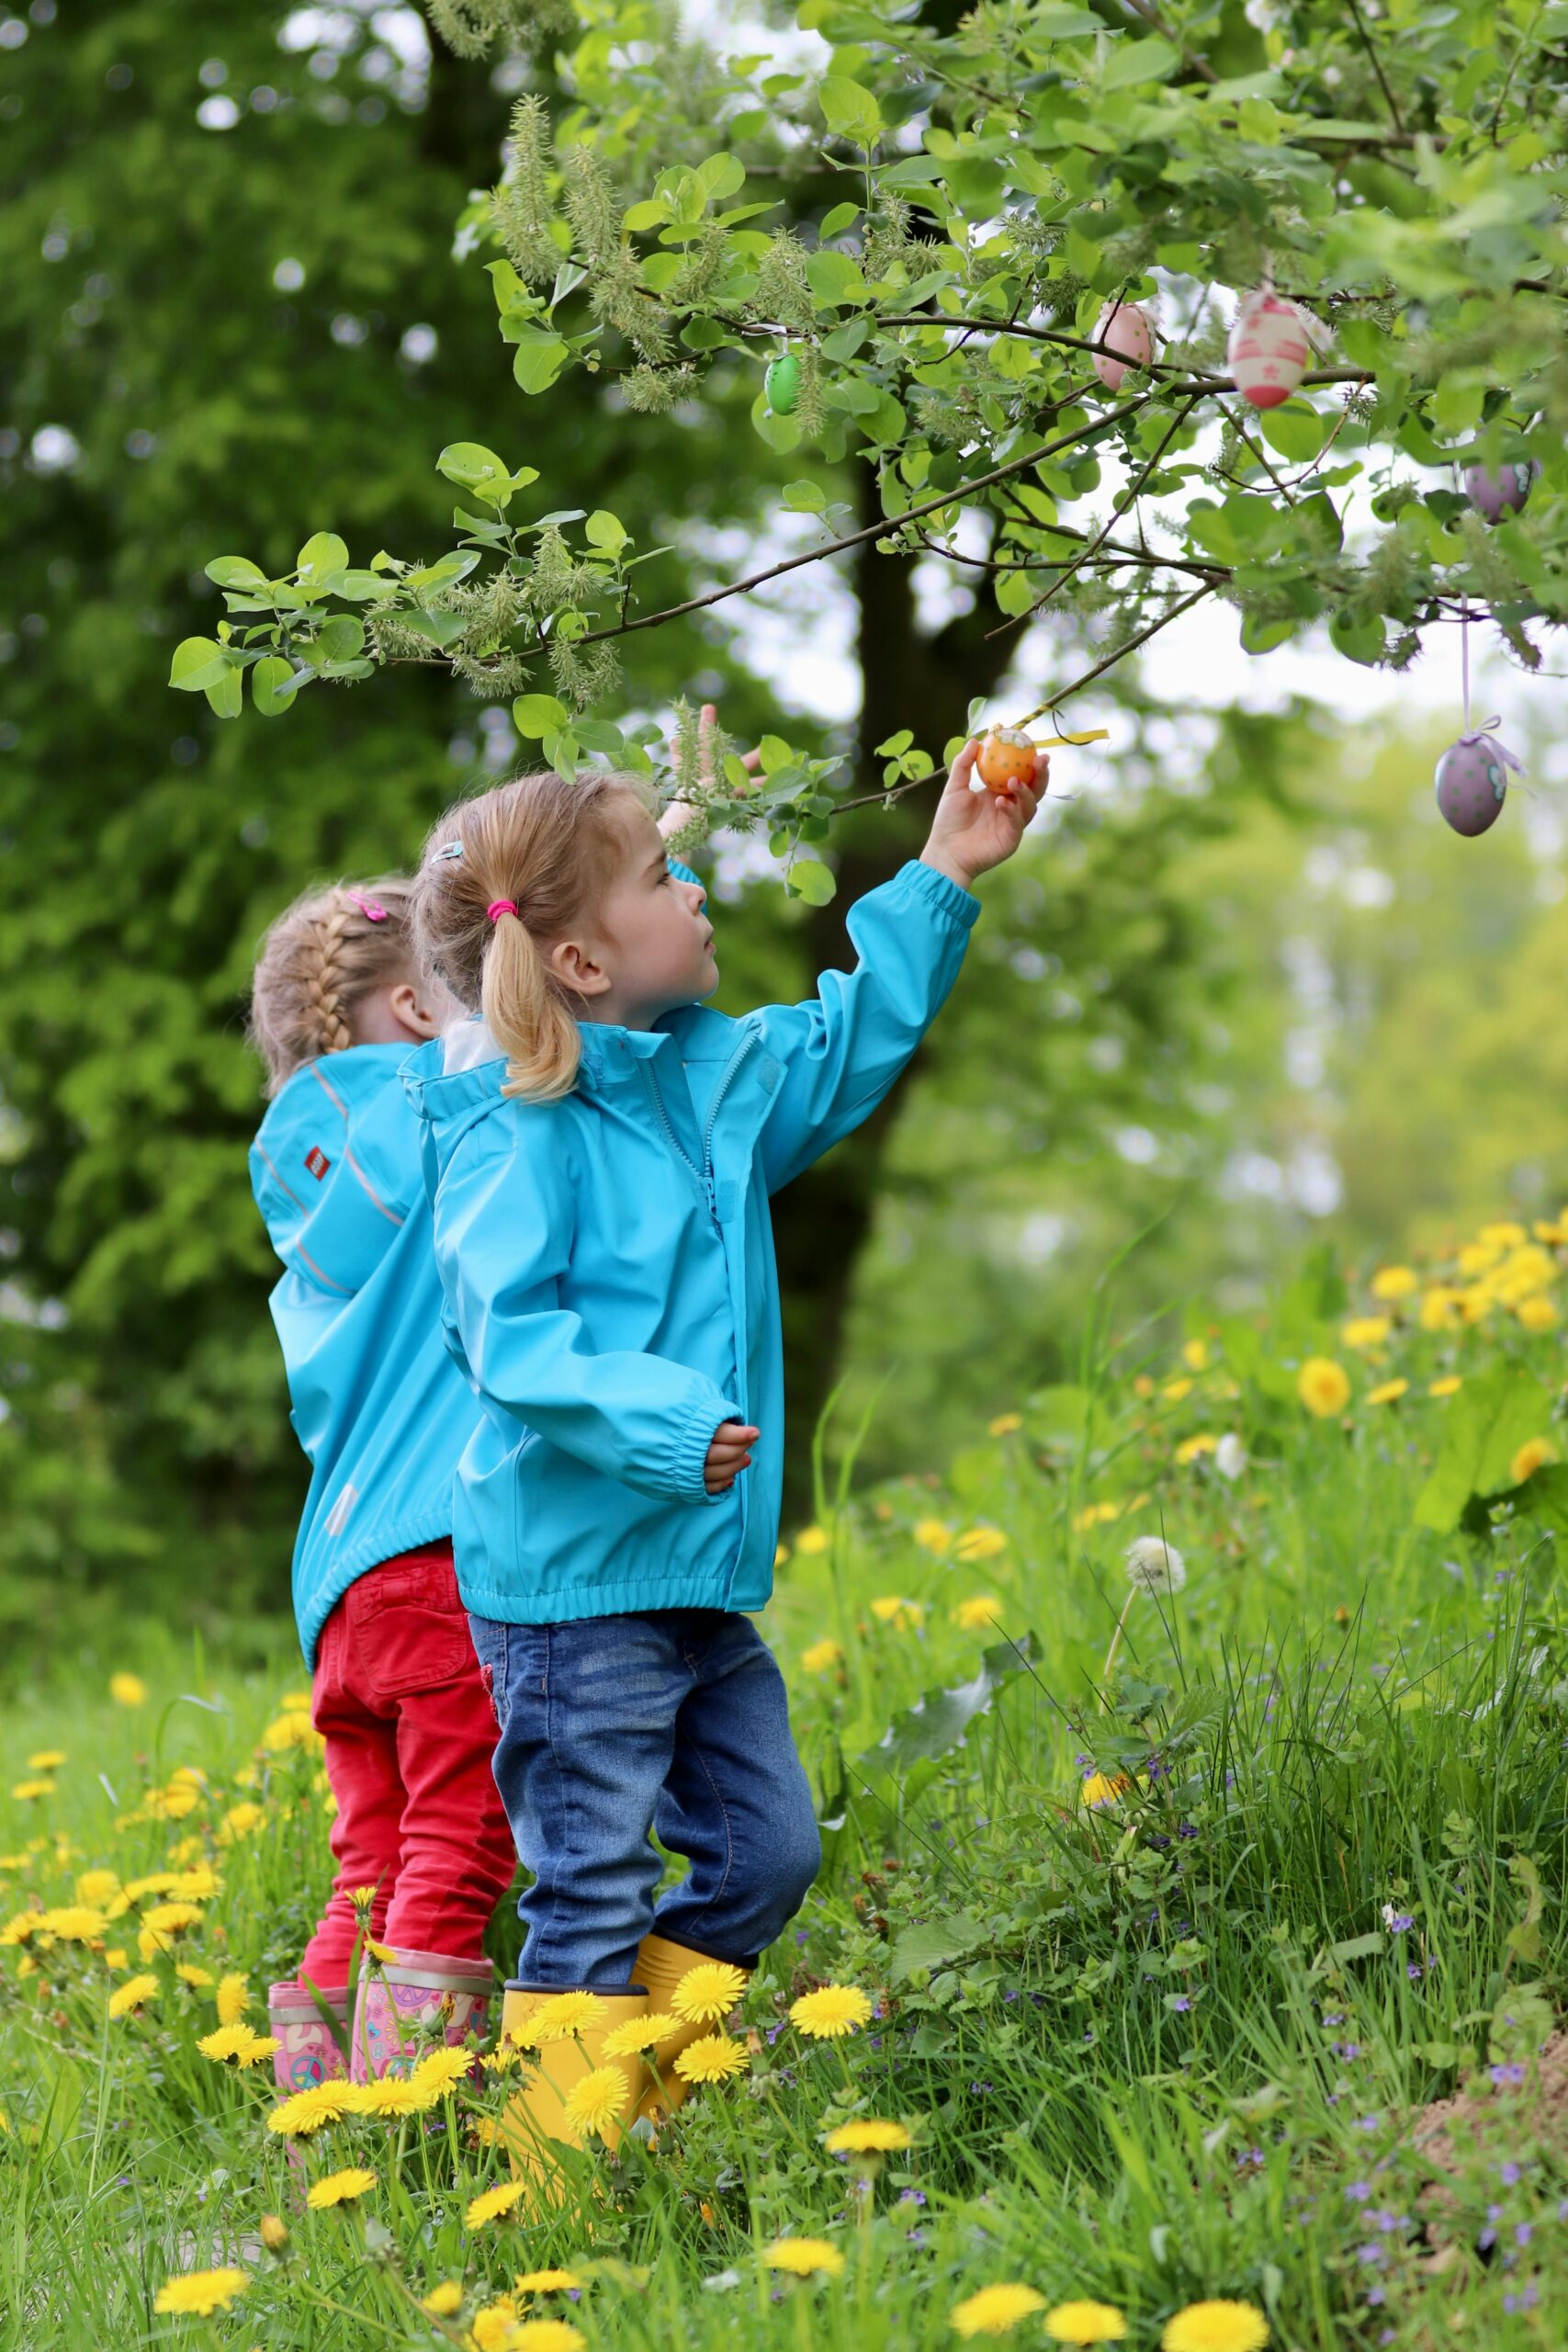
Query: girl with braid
point(383, 1414)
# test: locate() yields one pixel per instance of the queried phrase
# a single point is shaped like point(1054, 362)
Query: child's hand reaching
point(729, 1453)
point(678, 813)
point(972, 832)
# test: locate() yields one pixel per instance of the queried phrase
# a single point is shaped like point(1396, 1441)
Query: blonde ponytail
point(503, 878)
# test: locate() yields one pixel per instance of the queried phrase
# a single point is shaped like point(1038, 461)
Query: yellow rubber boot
point(540, 2112)
point(660, 1965)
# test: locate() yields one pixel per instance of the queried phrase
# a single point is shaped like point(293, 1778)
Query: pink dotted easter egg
point(1469, 784)
point(1127, 328)
point(1496, 490)
point(1268, 349)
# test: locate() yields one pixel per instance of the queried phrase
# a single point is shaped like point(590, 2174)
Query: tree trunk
point(822, 1222)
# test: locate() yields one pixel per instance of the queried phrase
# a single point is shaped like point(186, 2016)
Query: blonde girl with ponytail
point(603, 1147)
point(383, 1415)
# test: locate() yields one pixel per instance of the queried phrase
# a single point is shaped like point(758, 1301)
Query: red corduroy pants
point(410, 1734)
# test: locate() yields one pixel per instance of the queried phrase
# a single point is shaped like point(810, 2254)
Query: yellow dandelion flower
point(889, 1608)
point(133, 1993)
point(46, 1759)
point(201, 2292)
point(1366, 1332)
point(294, 1729)
point(28, 1792)
point(1102, 1789)
point(869, 2136)
point(128, 1690)
point(547, 2283)
point(439, 2072)
point(1477, 1258)
point(1176, 1392)
point(1005, 1424)
point(803, 2257)
point(240, 1820)
point(443, 2301)
point(1506, 1234)
point(155, 1882)
point(1388, 1392)
point(1323, 1387)
point(821, 1656)
point(389, 2095)
point(980, 1544)
point(492, 2203)
point(781, 1555)
point(996, 2310)
point(234, 1998)
point(97, 1887)
point(1096, 1515)
point(546, 2335)
point(595, 2102)
point(933, 1535)
point(555, 2021)
point(1391, 1282)
point(832, 2010)
point(1216, 2327)
point(308, 2111)
point(1440, 1308)
point(339, 2188)
point(495, 2326)
point(1191, 1447)
point(74, 1923)
point(812, 1539)
point(1450, 1386)
point(1474, 1305)
point(981, 1611)
point(239, 2042)
point(639, 2033)
point(114, 1957)
point(1085, 2323)
point(199, 1979)
point(708, 1991)
point(1535, 1313)
point(712, 2060)
point(1195, 1355)
point(1530, 1458)
point(173, 1918)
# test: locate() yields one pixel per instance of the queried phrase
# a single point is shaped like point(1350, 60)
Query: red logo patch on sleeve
point(316, 1160)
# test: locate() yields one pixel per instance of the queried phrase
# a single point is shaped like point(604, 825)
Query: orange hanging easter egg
point(1007, 758)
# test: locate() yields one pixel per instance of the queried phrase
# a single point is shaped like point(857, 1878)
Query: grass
point(1169, 1970)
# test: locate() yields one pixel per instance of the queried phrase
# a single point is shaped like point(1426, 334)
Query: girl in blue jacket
point(383, 1414)
point(602, 1148)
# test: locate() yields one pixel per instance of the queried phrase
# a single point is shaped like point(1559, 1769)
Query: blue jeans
point(673, 1719)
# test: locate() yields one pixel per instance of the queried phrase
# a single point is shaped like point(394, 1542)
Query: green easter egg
point(782, 384)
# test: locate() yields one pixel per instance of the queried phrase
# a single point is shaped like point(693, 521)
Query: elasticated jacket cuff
point(942, 892)
point(691, 1453)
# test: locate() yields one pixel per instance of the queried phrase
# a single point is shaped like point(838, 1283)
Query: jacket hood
point(330, 1184)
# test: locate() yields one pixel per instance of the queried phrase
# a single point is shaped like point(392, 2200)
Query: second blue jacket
point(607, 1267)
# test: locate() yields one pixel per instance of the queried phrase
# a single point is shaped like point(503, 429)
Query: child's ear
point(414, 1007)
point(575, 970)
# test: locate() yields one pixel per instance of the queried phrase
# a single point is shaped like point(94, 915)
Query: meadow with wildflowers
point(1184, 1970)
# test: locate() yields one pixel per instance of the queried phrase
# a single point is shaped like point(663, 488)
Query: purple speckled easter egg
point(1469, 784)
point(1496, 490)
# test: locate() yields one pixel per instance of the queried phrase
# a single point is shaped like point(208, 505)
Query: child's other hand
point(678, 811)
point(972, 832)
point(729, 1455)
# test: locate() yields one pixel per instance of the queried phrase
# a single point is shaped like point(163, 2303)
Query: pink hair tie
point(499, 907)
point(368, 907)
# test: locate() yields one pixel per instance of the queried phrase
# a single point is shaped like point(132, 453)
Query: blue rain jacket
point(380, 1405)
point(607, 1267)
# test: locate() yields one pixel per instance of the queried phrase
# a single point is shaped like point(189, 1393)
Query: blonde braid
point(322, 977)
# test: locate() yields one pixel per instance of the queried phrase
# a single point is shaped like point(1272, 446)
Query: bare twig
point(1376, 63)
point(1154, 628)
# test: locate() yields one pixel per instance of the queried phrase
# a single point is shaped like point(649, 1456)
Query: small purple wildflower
point(1400, 1923)
point(1507, 2078)
point(1370, 2255)
point(1359, 2191)
point(1507, 2174)
point(1414, 1971)
point(1523, 2232)
point(1182, 2002)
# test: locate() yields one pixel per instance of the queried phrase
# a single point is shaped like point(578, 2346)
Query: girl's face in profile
point(650, 945)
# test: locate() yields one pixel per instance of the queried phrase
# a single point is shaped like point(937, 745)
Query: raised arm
point(504, 1226)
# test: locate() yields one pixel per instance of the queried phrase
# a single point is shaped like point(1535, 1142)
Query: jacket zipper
point(705, 1173)
point(726, 1081)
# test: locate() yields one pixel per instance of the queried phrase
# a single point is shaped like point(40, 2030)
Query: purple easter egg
point(1496, 490)
point(1469, 784)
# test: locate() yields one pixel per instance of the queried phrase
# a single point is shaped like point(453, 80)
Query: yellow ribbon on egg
point(1089, 735)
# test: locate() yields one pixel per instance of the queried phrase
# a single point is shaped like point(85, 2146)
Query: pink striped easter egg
point(1269, 350)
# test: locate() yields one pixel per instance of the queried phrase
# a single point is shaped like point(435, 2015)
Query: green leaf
point(1261, 636)
point(1359, 640)
point(197, 663)
point(1295, 428)
point(804, 497)
point(850, 109)
point(236, 572)
point(917, 1951)
point(809, 879)
point(1134, 61)
point(838, 220)
point(721, 175)
point(437, 628)
point(342, 638)
point(274, 684)
point(539, 360)
point(1484, 1427)
point(651, 213)
point(476, 470)
point(537, 715)
point(228, 696)
point(599, 735)
point(834, 280)
point(322, 553)
point(605, 531)
point(940, 1718)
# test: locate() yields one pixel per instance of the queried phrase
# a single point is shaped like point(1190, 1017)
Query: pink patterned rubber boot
point(398, 2010)
point(306, 2052)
